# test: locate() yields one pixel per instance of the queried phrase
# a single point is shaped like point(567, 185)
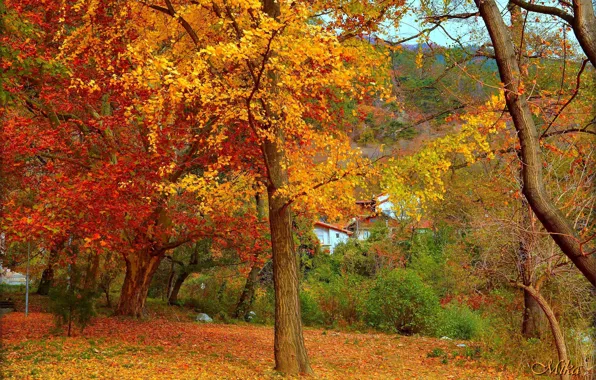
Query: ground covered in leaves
point(166, 349)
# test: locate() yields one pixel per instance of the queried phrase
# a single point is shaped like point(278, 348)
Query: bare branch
point(545, 10)
point(575, 92)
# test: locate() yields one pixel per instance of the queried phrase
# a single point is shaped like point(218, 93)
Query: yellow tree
point(269, 84)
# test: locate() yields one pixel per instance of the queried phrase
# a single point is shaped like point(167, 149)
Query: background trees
point(143, 131)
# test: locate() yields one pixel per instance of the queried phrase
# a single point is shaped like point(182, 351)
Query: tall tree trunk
point(532, 316)
point(290, 351)
point(289, 348)
point(170, 282)
point(106, 278)
point(584, 27)
point(551, 218)
point(139, 272)
point(554, 325)
point(106, 290)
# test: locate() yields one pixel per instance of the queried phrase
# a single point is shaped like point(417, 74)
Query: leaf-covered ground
point(165, 349)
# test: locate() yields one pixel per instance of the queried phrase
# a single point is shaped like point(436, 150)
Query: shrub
point(459, 322)
point(401, 302)
point(211, 294)
point(71, 305)
point(311, 312)
point(264, 305)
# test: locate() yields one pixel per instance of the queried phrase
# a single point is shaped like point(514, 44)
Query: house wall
point(330, 238)
point(363, 234)
point(13, 279)
point(323, 235)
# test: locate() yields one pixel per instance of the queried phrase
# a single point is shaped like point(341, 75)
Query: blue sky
point(470, 31)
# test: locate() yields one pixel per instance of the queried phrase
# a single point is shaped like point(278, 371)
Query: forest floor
point(178, 348)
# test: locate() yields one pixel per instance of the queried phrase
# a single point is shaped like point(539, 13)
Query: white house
point(330, 236)
point(11, 278)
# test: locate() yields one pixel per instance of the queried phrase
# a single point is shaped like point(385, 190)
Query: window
point(337, 235)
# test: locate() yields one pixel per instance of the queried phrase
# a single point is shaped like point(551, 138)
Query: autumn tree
point(166, 121)
point(553, 220)
point(106, 175)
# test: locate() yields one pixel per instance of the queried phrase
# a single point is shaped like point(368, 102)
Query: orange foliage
point(158, 348)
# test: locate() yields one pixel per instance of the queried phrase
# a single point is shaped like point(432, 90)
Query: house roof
point(332, 227)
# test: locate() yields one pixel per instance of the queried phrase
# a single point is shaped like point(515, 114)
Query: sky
point(410, 25)
point(470, 31)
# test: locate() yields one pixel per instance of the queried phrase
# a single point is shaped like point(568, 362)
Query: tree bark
point(248, 294)
point(106, 290)
point(533, 185)
point(139, 272)
point(170, 282)
point(584, 28)
point(290, 352)
point(92, 274)
point(186, 270)
point(554, 325)
point(173, 299)
point(289, 348)
point(533, 318)
point(47, 276)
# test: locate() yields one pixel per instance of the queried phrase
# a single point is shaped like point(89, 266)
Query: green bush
point(459, 322)
point(401, 302)
point(5, 288)
point(311, 312)
point(341, 300)
point(211, 294)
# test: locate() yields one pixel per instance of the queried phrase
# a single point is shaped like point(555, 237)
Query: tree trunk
point(533, 318)
point(551, 218)
point(106, 290)
point(47, 277)
point(582, 21)
point(173, 299)
point(92, 274)
point(248, 294)
point(170, 282)
point(139, 272)
point(584, 27)
point(554, 325)
point(290, 351)
point(289, 348)
point(201, 246)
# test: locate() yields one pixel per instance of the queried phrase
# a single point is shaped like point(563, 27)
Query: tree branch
point(545, 10)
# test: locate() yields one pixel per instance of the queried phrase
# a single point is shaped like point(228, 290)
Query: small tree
point(72, 304)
